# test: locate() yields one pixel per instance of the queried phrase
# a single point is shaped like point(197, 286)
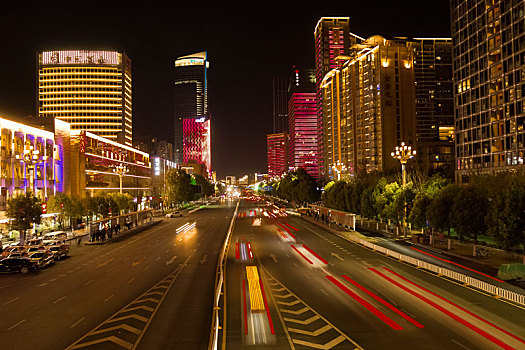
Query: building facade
point(489, 85)
point(277, 153)
point(90, 90)
point(332, 39)
point(434, 103)
point(102, 165)
point(302, 112)
point(368, 108)
point(154, 146)
point(191, 103)
point(196, 144)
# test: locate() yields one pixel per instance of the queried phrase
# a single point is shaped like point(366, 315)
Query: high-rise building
point(434, 103)
point(332, 39)
point(277, 147)
point(154, 146)
point(489, 85)
point(368, 107)
point(280, 105)
point(191, 108)
point(91, 90)
point(302, 108)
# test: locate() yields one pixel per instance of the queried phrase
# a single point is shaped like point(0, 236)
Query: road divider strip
point(445, 311)
point(245, 311)
point(384, 302)
point(455, 263)
point(270, 322)
point(454, 304)
point(301, 254)
point(315, 254)
point(394, 325)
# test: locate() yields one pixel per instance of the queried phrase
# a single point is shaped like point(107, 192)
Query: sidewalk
point(126, 233)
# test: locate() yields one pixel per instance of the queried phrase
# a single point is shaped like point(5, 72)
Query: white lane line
point(131, 280)
point(5, 285)
point(56, 301)
point(43, 284)
point(76, 323)
point(88, 282)
point(10, 301)
point(147, 267)
point(108, 298)
point(16, 325)
point(324, 292)
point(458, 343)
point(108, 270)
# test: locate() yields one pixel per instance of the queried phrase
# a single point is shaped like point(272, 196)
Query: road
point(134, 293)
point(325, 292)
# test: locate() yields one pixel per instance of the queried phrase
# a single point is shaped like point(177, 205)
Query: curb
point(126, 234)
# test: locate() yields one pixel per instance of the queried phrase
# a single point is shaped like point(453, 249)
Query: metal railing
point(219, 281)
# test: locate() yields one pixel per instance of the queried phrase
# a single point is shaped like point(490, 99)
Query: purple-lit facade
point(277, 146)
point(196, 138)
point(303, 132)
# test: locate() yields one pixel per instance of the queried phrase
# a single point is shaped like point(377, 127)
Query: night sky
point(248, 43)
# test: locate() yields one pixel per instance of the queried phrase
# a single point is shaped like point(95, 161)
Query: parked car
point(42, 258)
point(56, 236)
point(35, 241)
point(22, 265)
point(34, 249)
point(59, 251)
point(13, 249)
point(174, 214)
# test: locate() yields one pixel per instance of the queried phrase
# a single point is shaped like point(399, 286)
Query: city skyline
point(241, 79)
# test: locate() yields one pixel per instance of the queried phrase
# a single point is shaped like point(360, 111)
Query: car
point(34, 249)
point(22, 265)
point(174, 214)
point(42, 258)
point(13, 249)
point(59, 251)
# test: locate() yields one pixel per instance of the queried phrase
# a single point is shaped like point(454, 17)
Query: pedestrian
point(79, 242)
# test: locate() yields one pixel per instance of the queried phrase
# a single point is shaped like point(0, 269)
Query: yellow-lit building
point(91, 90)
point(368, 107)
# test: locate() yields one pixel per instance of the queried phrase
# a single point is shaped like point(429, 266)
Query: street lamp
point(403, 153)
point(120, 170)
point(339, 167)
point(30, 158)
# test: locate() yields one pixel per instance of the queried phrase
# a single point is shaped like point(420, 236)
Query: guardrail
point(219, 281)
point(467, 280)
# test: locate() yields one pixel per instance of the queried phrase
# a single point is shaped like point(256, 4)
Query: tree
point(178, 187)
point(124, 201)
point(25, 210)
point(438, 212)
point(468, 212)
point(60, 203)
point(206, 187)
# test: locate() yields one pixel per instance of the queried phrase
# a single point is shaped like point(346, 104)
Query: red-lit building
point(302, 121)
point(277, 146)
point(196, 141)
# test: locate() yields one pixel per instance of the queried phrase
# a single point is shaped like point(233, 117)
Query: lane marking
point(108, 298)
point(366, 304)
point(10, 301)
point(445, 311)
point(16, 325)
point(384, 302)
point(266, 307)
point(105, 263)
point(315, 254)
point(245, 311)
point(88, 282)
point(76, 323)
point(301, 254)
point(59, 299)
point(326, 346)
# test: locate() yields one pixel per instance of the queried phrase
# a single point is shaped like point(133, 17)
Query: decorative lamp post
point(120, 170)
point(30, 157)
point(339, 167)
point(403, 153)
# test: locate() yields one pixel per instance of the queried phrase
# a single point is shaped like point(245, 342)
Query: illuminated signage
point(156, 166)
point(200, 120)
point(81, 57)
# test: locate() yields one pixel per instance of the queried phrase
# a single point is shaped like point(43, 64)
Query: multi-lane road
point(152, 290)
point(289, 284)
point(321, 291)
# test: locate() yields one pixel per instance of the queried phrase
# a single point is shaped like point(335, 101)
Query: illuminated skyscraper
point(277, 146)
point(91, 90)
point(332, 39)
point(488, 39)
point(192, 120)
point(302, 145)
point(280, 105)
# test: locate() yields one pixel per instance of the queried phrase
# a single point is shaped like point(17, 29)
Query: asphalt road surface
point(151, 290)
point(321, 291)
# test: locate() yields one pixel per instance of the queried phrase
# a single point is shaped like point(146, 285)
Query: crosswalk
point(305, 328)
point(126, 327)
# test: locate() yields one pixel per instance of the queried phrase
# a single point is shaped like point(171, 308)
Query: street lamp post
point(120, 170)
point(338, 167)
point(403, 153)
point(30, 158)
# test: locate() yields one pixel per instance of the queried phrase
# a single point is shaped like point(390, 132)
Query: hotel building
point(489, 85)
point(192, 120)
point(277, 151)
point(332, 39)
point(368, 107)
point(90, 90)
